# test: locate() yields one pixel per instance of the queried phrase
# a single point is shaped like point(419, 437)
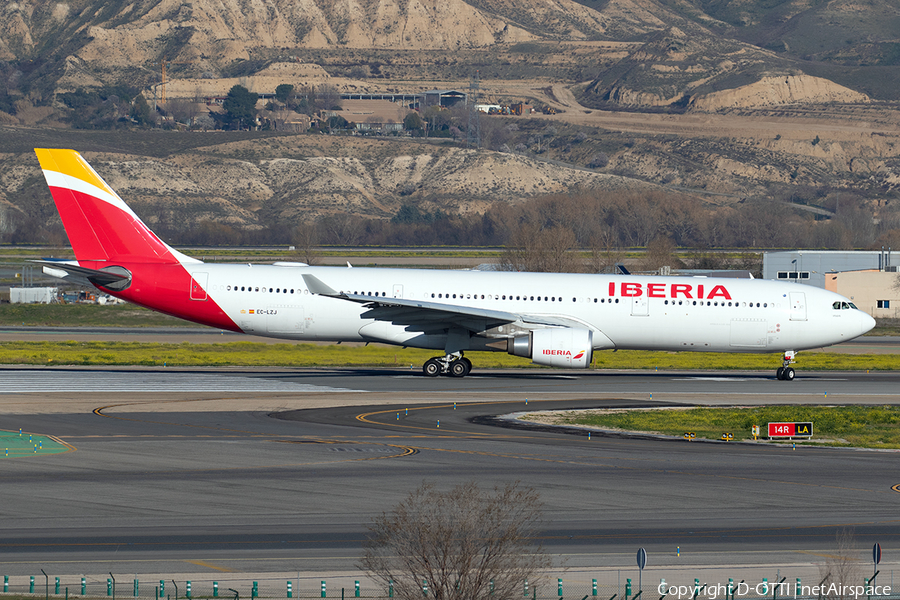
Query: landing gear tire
point(468, 364)
point(432, 367)
point(460, 367)
point(785, 372)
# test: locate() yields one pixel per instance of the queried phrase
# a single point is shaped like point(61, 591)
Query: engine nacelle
point(557, 347)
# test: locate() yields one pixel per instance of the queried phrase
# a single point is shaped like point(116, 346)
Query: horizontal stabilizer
point(113, 278)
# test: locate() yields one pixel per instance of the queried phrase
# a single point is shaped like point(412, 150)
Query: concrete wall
point(33, 295)
point(816, 264)
point(866, 288)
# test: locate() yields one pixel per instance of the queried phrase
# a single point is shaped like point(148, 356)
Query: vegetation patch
point(317, 355)
point(859, 426)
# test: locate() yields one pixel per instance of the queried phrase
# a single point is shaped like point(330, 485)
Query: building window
point(793, 275)
point(883, 304)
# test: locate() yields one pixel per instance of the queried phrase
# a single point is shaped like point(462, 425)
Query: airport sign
point(790, 430)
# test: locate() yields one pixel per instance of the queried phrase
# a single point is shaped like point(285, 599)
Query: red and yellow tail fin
point(100, 226)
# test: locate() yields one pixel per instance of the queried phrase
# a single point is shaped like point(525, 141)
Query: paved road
point(160, 479)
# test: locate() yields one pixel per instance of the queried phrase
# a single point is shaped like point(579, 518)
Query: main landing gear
point(785, 372)
point(454, 365)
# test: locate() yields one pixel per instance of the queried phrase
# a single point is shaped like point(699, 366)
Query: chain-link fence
point(607, 585)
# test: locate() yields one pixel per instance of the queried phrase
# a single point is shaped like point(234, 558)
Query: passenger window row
point(716, 303)
point(251, 288)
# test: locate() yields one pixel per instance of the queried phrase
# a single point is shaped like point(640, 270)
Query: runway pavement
point(194, 470)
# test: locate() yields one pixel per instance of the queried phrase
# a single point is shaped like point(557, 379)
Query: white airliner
point(554, 319)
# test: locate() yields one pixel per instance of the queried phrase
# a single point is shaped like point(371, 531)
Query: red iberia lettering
point(681, 288)
point(631, 289)
point(656, 290)
point(673, 290)
point(558, 352)
point(719, 292)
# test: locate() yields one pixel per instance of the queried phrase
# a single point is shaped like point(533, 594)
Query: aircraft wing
point(435, 317)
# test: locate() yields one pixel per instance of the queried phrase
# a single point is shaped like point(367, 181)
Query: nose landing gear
point(454, 365)
point(785, 372)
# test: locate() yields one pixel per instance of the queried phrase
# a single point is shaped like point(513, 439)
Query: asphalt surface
point(195, 470)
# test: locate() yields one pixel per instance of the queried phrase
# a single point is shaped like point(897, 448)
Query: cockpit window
point(843, 306)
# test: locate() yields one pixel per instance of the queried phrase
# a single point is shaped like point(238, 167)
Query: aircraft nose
point(866, 323)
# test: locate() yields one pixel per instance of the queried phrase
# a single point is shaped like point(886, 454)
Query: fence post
point(290, 593)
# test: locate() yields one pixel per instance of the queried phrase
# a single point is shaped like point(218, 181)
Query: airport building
point(868, 278)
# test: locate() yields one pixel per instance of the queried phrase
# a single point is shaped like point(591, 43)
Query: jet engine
point(556, 347)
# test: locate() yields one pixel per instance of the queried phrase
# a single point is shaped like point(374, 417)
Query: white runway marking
point(20, 382)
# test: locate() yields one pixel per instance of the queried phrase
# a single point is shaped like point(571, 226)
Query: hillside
point(286, 180)
point(724, 100)
point(668, 49)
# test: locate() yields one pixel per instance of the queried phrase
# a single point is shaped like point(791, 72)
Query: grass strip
point(858, 426)
point(315, 355)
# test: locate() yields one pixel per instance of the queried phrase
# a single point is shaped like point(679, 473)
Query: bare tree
point(183, 110)
point(660, 253)
point(537, 249)
point(605, 251)
point(843, 566)
point(306, 241)
point(464, 544)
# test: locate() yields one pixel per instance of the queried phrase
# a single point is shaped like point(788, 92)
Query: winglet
point(316, 286)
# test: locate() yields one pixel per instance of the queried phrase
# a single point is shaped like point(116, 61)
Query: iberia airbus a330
point(555, 319)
